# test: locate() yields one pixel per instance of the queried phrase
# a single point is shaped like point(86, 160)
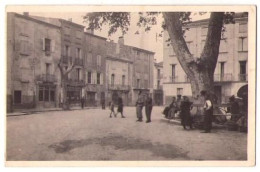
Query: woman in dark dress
point(120, 107)
point(185, 112)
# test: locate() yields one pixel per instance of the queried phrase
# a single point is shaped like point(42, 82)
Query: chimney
point(121, 40)
point(26, 13)
point(70, 19)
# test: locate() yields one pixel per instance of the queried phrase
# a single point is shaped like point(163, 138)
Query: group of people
point(182, 107)
point(120, 108)
point(143, 100)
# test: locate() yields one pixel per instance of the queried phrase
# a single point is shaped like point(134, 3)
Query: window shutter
point(52, 45)
point(101, 78)
point(43, 44)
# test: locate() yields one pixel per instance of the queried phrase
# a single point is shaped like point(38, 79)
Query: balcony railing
point(242, 77)
point(78, 61)
point(173, 79)
point(75, 82)
point(66, 59)
point(46, 78)
point(223, 77)
point(118, 87)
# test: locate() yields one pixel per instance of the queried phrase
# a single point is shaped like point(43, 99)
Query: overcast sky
point(145, 40)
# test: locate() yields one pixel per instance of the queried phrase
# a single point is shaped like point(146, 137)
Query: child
point(111, 106)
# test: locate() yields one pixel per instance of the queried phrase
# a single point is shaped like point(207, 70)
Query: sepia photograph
point(113, 85)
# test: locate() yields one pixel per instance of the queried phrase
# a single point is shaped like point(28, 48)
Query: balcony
point(78, 61)
point(66, 59)
point(242, 77)
point(223, 77)
point(75, 82)
point(118, 87)
point(173, 79)
point(46, 78)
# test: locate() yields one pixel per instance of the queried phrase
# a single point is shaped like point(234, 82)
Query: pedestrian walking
point(148, 108)
point(120, 107)
point(103, 102)
point(82, 102)
point(185, 112)
point(139, 107)
point(208, 112)
point(111, 107)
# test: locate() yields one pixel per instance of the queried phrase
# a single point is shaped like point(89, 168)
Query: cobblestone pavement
point(92, 135)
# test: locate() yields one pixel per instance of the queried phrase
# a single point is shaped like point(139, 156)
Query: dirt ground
point(92, 135)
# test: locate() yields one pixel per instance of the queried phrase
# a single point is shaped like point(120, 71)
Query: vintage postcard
point(130, 85)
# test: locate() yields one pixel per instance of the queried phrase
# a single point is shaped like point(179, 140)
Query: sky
point(144, 40)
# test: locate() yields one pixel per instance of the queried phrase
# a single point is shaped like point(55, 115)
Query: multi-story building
point(119, 71)
point(33, 52)
point(36, 45)
point(231, 70)
point(143, 67)
point(158, 83)
point(129, 71)
point(95, 68)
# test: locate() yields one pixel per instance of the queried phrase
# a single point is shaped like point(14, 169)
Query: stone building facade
point(231, 70)
point(33, 52)
point(103, 69)
point(95, 69)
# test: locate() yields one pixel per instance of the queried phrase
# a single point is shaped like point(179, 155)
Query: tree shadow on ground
point(119, 142)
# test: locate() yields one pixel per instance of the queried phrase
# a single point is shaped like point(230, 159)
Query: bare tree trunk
point(200, 73)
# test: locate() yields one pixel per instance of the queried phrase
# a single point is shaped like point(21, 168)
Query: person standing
point(120, 107)
point(208, 112)
point(82, 102)
point(111, 106)
point(185, 112)
point(172, 109)
point(148, 108)
point(139, 106)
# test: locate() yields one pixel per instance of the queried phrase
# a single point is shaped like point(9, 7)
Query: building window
point(242, 28)
point(17, 97)
point(89, 77)
point(67, 31)
point(138, 83)
point(24, 47)
point(146, 83)
point(112, 79)
point(89, 58)
point(222, 70)
point(98, 60)
point(78, 74)
point(242, 44)
point(242, 75)
point(179, 91)
point(67, 51)
point(173, 76)
point(78, 53)
point(98, 78)
point(48, 68)
point(78, 34)
point(47, 46)
point(123, 80)
point(47, 93)
point(158, 84)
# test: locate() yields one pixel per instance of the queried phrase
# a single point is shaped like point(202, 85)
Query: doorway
point(17, 97)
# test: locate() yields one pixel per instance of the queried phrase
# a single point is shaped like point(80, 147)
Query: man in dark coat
point(148, 108)
point(185, 112)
